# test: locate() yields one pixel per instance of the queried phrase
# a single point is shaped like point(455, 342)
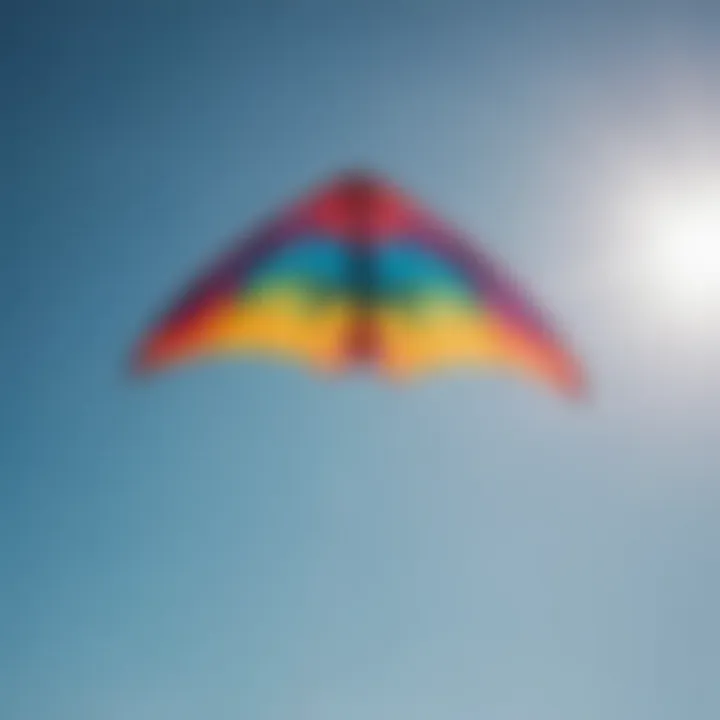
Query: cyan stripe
point(311, 259)
point(402, 272)
point(403, 267)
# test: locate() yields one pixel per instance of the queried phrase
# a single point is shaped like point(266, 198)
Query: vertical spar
point(363, 344)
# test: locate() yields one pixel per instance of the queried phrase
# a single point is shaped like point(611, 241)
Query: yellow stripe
point(276, 325)
point(466, 338)
point(410, 343)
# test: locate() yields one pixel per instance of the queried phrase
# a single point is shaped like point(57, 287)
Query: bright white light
point(679, 236)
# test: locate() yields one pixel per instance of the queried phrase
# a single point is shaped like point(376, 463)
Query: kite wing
point(279, 292)
point(446, 305)
point(357, 272)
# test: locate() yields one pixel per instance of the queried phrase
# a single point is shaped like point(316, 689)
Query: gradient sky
point(251, 541)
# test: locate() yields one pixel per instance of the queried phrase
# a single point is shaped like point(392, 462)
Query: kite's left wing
point(281, 292)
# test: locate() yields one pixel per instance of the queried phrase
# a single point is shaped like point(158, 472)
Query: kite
point(356, 273)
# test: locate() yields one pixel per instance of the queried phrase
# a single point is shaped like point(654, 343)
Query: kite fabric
point(356, 273)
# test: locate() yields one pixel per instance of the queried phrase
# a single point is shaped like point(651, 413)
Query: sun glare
point(679, 236)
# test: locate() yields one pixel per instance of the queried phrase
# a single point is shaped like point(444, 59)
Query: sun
point(677, 227)
point(687, 236)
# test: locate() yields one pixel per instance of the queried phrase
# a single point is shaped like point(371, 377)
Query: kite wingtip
point(139, 364)
point(577, 389)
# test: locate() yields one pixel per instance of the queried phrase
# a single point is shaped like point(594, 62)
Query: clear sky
point(251, 541)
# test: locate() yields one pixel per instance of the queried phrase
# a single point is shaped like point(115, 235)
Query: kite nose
point(361, 177)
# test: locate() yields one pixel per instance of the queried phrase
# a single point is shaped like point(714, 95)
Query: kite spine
point(363, 340)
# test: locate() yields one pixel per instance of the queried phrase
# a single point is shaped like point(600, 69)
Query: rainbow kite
point(357, 273)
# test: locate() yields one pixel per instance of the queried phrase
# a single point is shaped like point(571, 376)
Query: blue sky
point(243, 540)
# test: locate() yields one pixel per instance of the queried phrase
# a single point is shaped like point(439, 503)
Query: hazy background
point(244, 540)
